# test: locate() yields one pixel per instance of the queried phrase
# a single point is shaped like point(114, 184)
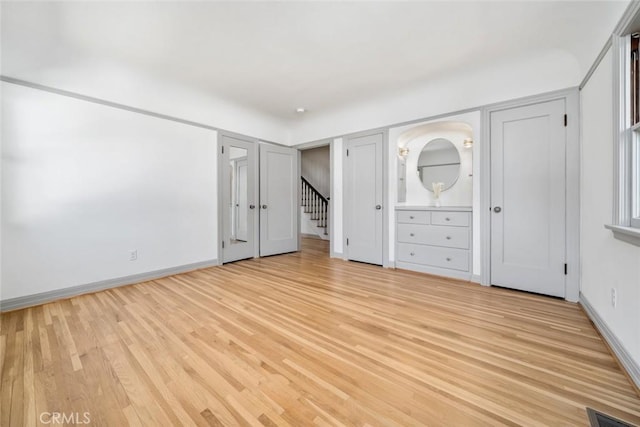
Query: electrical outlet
point(614, 297)
point(133, 255)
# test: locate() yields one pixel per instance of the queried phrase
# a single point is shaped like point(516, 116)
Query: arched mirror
point(439, 161)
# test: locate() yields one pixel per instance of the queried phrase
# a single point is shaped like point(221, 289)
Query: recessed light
point(300, 110)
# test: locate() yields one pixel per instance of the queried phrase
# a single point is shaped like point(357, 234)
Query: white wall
point(460, 194)
point(472, 87)
point(315, 165)
point(134, 88)
point(47, 44)
point(83, 184)
point(606, 262)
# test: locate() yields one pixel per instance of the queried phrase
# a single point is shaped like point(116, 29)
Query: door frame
point(221, 207)
point(571, 97)
point(330, 218)
point(385, 197)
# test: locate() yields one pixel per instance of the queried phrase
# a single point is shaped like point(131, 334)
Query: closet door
point(528, 187)
point(239, 198)
point(363, 198)
point(278, 199)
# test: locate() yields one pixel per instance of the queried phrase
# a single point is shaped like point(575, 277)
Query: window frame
point(626, 149)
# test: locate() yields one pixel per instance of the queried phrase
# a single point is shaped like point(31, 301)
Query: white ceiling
point(274, 57)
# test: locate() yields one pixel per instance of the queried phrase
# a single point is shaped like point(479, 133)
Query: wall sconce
point(403, 152)
point(467, 143)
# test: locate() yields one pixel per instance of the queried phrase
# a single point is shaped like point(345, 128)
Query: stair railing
point(315, 204)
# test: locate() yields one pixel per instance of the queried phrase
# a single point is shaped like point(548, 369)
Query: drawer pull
point(447, 219)
point(448, 259)
point(412, 254)
point(411, 234)
point(448, 237)
point(411, 216)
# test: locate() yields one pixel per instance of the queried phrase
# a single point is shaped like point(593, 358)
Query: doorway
point(258, 193)
point(315, 198)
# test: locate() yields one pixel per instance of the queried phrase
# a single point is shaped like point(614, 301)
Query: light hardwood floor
point(301, 339)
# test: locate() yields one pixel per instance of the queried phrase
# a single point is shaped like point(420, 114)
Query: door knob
point(378, 207)
point(252, 206)
point(497, 209)
point(264, 206)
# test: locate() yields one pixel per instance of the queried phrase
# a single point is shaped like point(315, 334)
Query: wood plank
point(302, 339)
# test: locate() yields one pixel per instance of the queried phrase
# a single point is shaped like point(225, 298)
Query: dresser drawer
point(456, 219)
point(413, 217)
point(454, 259)
point(450, 237)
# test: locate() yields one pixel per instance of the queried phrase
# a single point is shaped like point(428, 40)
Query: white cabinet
point(434, 240)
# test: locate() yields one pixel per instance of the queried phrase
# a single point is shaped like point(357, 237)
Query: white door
point(278, 199)
point(528, 198)
point(363, 198)
point(239, 198)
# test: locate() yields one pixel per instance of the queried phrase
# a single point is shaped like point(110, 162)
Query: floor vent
point(598, 419)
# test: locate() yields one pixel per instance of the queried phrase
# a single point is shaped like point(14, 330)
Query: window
point(634, 139)
point(626, 218)
point(635, 179)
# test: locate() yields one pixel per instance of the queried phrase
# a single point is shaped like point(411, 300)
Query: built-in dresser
point(434, 240)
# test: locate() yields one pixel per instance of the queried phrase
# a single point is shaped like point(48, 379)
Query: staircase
point(316, 205)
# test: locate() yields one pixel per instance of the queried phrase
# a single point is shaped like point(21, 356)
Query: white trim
point(596, 63)
point(386, 205)
point(485, 198)
point(332, 172)
point(621, 133)
point(623, 356)
point(626, 234)
point(44, 297)
point(50, 89)
point(299, 200)
point(572, 227)
point(622, 221)
point(627, 19)
point(313, 144)
point(572, 197)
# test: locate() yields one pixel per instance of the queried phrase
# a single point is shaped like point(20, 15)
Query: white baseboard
point(44, 297)
point(312, 236)
point(625, 359)
point(475, 278)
